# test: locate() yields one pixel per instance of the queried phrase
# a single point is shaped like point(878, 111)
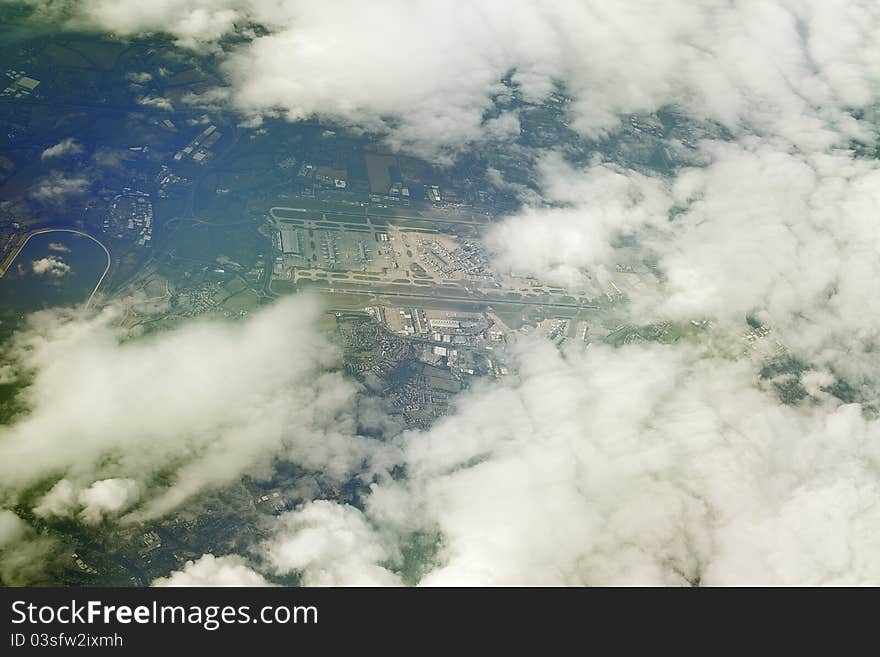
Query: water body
point(53, 269)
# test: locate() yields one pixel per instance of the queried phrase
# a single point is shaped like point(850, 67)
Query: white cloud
point(791, 235)
point(23, 553)
point(12, 528)
point(642, 465)
point(566, 243)
point(56, 186)
point(8, 375)
point(757, 229)
point(202, 404)
point(69, 146)
point(60, 501)
point(208, 570)
point(139, 77)
point(156, 101)
point(788, 69)
point(330, 545)
point(646, 464)
point(50, 266)
point(107, 497)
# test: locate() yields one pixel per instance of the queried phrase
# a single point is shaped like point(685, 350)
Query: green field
point(244, 301)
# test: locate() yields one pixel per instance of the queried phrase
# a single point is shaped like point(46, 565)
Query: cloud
point(329, 545)
point(112, 158)
point(7, 375)
point(139, 77)
point(58, 247)
point(566, 244)
point(107, 497)
point(50, 266)
point(675, 464)
point(755, 229)
point(57, 185)
point(788, 233)
point(793, 70)
point(23, 553)
point(643, 464)
point(157, 102)
point(180, 412)
point(69, 146)
point(639, 465)
point(192, 22)
point(60, 501)
point(208, 570)
point(12, 528)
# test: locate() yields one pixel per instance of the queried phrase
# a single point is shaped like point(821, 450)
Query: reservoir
point(54, 268)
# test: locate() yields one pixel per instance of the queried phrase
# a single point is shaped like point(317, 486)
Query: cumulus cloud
point(675, 464)
point(140, 77)
point(568, 243)
point(681, 466)
point(201, 405)
point(208, 570)
point(326, 544)
point(8, 375)
point(194, 23)
point(643, 465)
point(107, 497)
point(57, 185)
point(69, 146)
point(330, 545)
point(23, 553)
point(791, 234)
point(111, 158)
point(60, 501)
point(793, 70)
point(50, 266)
point(757, 229)
point(12, 528)
point(156, 101)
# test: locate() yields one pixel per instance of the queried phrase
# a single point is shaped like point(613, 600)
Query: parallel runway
point(462, 299)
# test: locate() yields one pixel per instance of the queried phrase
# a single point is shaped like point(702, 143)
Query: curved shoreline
point(42, 231)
